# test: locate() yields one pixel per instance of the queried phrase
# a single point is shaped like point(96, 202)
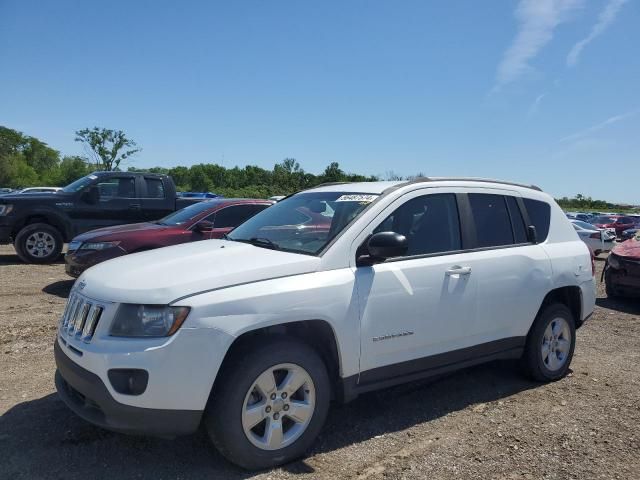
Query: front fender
point(326, 296)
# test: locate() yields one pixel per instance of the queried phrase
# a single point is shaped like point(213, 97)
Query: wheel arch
point(318, 334)
point(569, 295)
point(50, 218)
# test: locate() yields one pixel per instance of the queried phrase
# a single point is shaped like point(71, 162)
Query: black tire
point(223, 416)
point(596, 253)
point(24, 237)
point(533, 363)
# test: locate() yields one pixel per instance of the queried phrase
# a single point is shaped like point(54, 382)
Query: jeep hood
point(164, 275)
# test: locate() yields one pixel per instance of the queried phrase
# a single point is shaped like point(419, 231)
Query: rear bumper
point(87, 396)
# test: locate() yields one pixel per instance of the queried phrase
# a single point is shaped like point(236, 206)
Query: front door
point(421, 305)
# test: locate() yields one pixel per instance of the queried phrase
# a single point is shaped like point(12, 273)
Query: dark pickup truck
point(39, 224)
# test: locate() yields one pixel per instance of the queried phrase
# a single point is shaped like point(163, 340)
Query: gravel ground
point(485, 422)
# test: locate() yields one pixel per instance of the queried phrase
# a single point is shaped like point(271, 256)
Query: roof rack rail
point(472, 179)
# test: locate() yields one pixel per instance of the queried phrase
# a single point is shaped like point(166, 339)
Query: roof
point(380, 187)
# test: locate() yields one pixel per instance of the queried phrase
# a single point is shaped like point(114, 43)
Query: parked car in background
point(599, 240)
point(38, 225)
point(622, 270)
point(201, 221)
point(5, 191)
point(40, 190)
point(198, 195)
point(277, 198)
point(629, 233)
point(616, 223)
point(254, 335)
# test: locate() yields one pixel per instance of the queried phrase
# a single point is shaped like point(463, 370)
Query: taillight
point(595, 235)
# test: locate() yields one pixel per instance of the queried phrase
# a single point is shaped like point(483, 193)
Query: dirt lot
point(486, 422)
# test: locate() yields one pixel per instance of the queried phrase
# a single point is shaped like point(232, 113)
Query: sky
point(535, 91)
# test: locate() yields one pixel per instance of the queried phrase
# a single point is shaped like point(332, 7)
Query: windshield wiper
point(263, 242)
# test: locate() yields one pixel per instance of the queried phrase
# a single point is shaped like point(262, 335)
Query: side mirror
point(383, 245)
point(532, 234)
point(91, 195)
point(204, 226)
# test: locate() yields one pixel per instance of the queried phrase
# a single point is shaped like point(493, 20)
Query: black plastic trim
point(434, 365)
point(87, 396)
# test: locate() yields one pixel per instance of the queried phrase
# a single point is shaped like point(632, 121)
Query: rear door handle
point(458, 270)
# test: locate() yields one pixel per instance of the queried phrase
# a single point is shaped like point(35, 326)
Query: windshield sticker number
point(362, 198)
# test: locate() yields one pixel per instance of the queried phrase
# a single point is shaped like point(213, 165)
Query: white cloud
point(537, 20)
point(605, 19)
point(535, 106)
point(588, 131)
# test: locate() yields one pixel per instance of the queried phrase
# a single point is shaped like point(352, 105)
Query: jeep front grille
point(80, 317)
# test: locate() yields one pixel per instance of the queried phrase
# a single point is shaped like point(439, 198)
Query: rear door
point(154, 201)
point(513, 274)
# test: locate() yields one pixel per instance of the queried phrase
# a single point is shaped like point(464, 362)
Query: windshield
point(303, 223)
point(186, 214)
point(79, 184)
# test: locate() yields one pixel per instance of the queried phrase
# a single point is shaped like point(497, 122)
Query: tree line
point(27, 161)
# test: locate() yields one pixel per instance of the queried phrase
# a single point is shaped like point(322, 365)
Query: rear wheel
point(550, 344)
point(38, 243)
point(269, 404)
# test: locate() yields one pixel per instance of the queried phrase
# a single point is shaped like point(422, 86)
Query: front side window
point(491, 218)
point(231, 217)
point(430, 223)
point(117, 187)
point(303, 223)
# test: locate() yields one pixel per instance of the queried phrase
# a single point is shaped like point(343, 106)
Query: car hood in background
point(107, 232)
point(630, 249)
point(164, 275)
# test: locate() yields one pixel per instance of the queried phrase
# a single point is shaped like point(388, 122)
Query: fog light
point(129, 381)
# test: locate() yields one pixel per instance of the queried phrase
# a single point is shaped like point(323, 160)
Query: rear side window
point(231, 217)
point(517, 222)
point(493, 225)
point(430, 224)
point(155, 189)
point(540, 216)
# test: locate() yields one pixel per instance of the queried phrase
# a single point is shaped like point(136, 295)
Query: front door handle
point(458, 270)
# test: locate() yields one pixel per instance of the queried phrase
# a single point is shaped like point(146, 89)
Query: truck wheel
point(269, 404)
point(550, 344)
point(39, 243)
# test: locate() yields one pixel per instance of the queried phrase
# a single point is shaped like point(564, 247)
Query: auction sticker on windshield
point(357, 198)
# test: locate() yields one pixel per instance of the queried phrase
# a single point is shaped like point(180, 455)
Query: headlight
point(613, 261)
point(148, 320)
point(5, 209)
point(98, 245)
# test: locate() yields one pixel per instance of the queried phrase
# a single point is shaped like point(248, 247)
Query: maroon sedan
point(200, 221)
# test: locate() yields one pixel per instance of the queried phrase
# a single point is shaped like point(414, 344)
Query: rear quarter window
point(539, 216)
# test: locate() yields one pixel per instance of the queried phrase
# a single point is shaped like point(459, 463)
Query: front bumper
point(77, 261)
point(86, 394)
point(5, 234)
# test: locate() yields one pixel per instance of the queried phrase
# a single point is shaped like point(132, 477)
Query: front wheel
point(269, 404)
point(39, 243)
point(550, 344)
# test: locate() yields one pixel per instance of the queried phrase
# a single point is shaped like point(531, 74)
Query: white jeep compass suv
point(331, 292)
